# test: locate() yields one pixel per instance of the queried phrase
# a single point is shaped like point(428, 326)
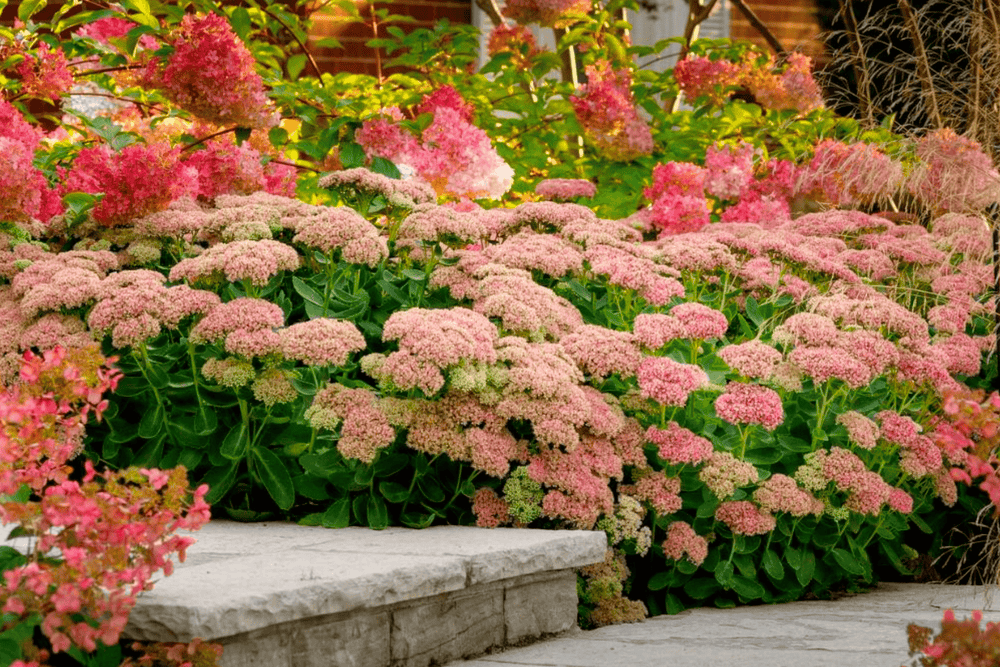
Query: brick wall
point(354, 56)
point(793, 22)
point(358, 58)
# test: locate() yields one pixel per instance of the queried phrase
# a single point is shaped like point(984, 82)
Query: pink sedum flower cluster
point(668, 382)
point(745, 518)
point(321, 342)
point(678, 445)
point(364, 427)
point(743, 403)
point(683, 541)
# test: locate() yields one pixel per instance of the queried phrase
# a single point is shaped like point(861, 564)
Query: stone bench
point(283, 595)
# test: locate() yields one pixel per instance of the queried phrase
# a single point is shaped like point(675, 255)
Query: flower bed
point(755, 402)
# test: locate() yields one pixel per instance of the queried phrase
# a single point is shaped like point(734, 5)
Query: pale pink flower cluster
point(743, 403)
point(255, 262)
point(861, 430)
point(490, 509)
point(699, 322)
point(780, 493)
point(668, 382)
point(546, 216)
point(366, 182)
point(344, 229)
point(752, 359)
point(955, 175)
point(433, 223)
point(682, 540)
point(745, 518)
point(460, 425)
point(322, 341)
point(522, 305)
point(654, 330)
point(245, 326)
point(633, 272)
point(918, 456)
point(134, 306)
point(724, 473)
point(527, 250)
point(212, 74)
point(54, 284)
point(547, 13)
point(230, 372)
point(678, 445)
point(657, 489)
point(431, 341)
point(867, 491)
point(364, 428)
point(273, 386)
point(600, 351)
point(564, 189)
point(695, 253)
point(832, 363)
point(729, 169)
point(606, 110)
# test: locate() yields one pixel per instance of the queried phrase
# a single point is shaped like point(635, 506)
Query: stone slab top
point(240, 577)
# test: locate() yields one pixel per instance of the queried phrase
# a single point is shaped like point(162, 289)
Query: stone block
point(264, 649)
point(544, 605)
point(447, 627)
point(360, 640)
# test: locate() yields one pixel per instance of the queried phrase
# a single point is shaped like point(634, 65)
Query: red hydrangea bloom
point(606, 110)
point(136, 181)
point(212, 74)
point(446, 97)
point(45, 73)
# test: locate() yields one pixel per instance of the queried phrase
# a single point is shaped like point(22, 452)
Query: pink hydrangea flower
point(136, 181)
point(45, 73)
point(743, 403)
point(547, 13)
point(516, 39)
point(701, 76)
point(729, 169)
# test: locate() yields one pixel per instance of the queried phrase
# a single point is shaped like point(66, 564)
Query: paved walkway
point(866, 630)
